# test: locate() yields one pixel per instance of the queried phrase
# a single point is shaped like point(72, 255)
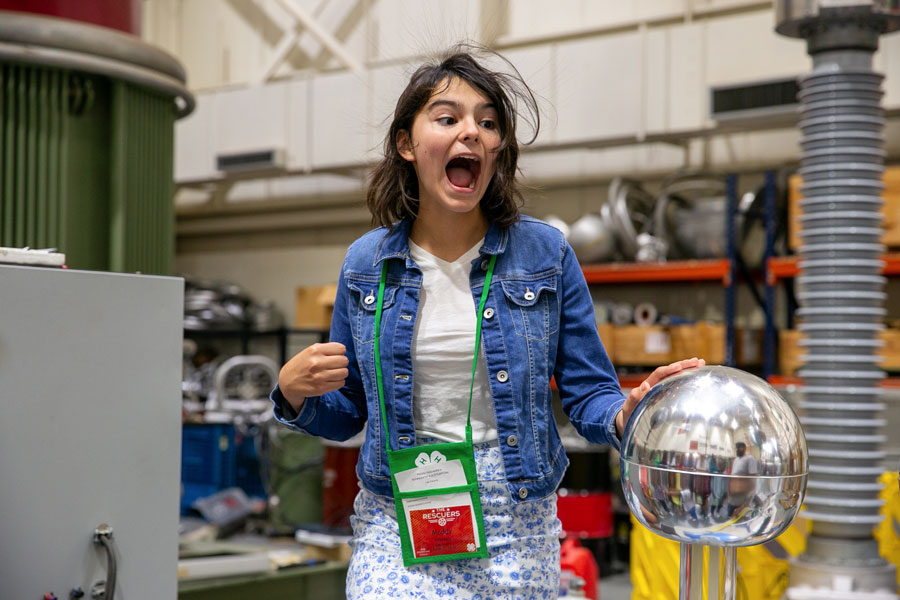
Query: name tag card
point(440, 525)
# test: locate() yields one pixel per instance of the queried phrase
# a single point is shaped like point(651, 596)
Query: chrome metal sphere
point(714, 456)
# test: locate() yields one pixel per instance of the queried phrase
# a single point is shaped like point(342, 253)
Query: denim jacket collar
point(395, 243)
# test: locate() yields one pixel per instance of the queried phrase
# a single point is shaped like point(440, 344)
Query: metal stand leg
point(730, 573)
point(713, 585)
point(690, 586)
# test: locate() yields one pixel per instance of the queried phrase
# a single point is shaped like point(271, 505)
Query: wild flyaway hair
point(393, 192)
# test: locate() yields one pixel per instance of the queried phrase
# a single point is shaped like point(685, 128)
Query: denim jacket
point(538, 323)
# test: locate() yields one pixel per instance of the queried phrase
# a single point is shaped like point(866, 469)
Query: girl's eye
point(446, 120)
point(488, 124)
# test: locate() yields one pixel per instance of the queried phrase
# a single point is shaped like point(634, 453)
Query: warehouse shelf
point(786, 267)
point(723, 270)
point(679, 270)
point(626, 381)
point(245, 335)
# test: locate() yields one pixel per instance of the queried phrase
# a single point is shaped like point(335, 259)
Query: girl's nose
point(469, 131)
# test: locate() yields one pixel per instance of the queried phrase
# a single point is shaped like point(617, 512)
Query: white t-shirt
point(442, 351)
point(744, 465)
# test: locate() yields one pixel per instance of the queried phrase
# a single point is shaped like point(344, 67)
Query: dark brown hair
point(393, 187)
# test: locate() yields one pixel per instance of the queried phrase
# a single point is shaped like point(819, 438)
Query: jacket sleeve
point(587, 382)
point(337, 415)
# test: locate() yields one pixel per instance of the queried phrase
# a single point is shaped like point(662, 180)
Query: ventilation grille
point(142, 189)
point(32, 143)
point(755, 100)
point(260, 160)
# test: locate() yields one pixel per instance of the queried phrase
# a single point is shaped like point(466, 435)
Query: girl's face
point(452, 147)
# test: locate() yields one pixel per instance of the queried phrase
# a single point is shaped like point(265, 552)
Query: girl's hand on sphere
point(655, 377)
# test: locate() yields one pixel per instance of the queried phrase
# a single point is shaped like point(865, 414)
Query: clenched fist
point(313, 371)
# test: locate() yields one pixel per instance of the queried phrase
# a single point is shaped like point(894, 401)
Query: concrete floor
point(615, 587)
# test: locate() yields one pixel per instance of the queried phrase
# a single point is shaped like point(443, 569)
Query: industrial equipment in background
point(88, 133)
point(687, 219)
point(90, 433)
point(841, 294)
point(715, 457)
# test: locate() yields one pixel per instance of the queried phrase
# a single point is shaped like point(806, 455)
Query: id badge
point(438, 507)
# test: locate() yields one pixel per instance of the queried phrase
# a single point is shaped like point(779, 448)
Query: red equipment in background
point(124, 15)
point(339, 485)
point(584, 515)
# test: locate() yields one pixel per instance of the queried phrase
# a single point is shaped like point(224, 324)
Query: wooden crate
point(698, 339)
point(313, 306)
point(636, 345)
point(606, 336)
point(707, 341)
point(890, 210)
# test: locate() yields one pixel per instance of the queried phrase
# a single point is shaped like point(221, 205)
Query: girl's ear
point(404, 145)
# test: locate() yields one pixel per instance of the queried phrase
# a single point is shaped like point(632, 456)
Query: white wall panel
point(298, 124)
point(406, 28)
point(600, 164)
point(688, 98)
point(387, 85)
point(745, 48)
point(202, 43)
point(194, 155)
point(761, 149)
point(537, 66)
point(598, 83)
point(887, 62)
point(656, 66)
point(339, 120)
point(322, 184)
point(251, 118)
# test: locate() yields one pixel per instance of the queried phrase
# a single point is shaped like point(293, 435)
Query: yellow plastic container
point(762, 575)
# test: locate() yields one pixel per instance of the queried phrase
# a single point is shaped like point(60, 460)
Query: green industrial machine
point(86, 143)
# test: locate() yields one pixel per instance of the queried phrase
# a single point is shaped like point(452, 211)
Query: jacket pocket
point(363, 303)
point(533, 307)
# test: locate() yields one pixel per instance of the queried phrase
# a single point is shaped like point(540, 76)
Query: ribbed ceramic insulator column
point(841, 291)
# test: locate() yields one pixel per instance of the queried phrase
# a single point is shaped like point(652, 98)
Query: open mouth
point(463, 171)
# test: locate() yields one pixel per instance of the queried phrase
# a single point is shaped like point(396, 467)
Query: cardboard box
point(641, 346)
point(789, 350)
point(314, 305)
point(891, 350)
point(707, 341)
point(606, 336)
point(890, 210)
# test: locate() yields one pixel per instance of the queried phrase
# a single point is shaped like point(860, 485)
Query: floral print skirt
point(522, 540)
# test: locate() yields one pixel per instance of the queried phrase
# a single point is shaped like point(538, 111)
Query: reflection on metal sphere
point(714, 456)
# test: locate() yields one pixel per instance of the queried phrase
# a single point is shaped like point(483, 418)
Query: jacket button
point(523, 493)
point(369, 299)
point(529, 295)
point(404, 439)
point(502, 376)
point(512, 441)
point(488, 313)
point(485, 264)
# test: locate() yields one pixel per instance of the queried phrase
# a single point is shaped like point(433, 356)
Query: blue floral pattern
point(522, 539)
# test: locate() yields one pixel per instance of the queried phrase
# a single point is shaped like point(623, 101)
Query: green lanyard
point(378, 377)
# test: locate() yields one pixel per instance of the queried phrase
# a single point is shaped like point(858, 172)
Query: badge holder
point(435, 486)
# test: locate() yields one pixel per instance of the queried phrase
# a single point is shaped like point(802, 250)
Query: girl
point(424, 353)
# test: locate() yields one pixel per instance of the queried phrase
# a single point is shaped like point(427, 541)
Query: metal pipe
point(730, 573)
point(690, 584)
